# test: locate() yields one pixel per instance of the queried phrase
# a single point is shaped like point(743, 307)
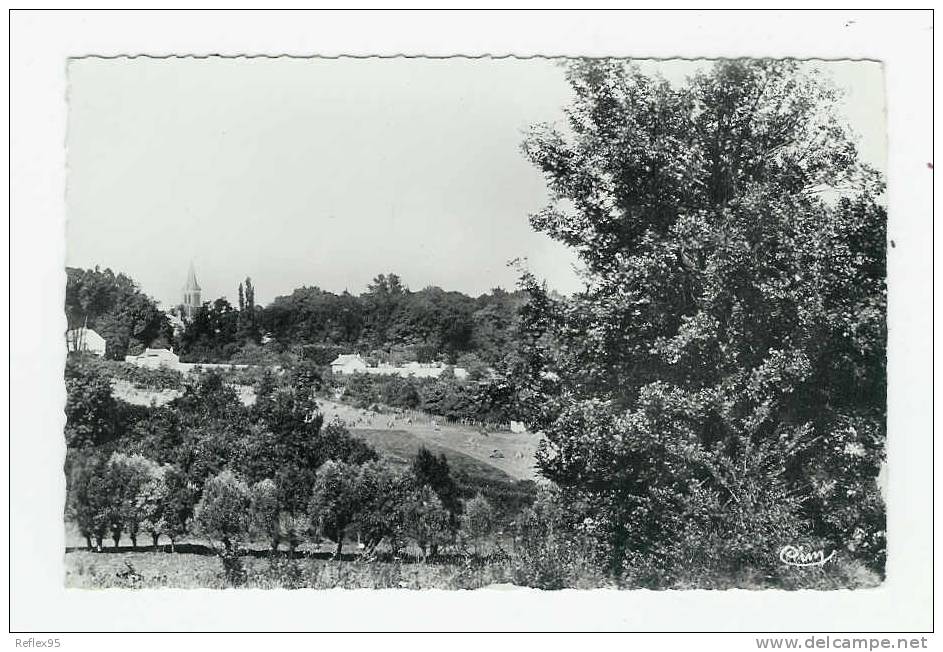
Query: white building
point(348, 364)
point(155, 359)
point(85, 340)
point(353, 363)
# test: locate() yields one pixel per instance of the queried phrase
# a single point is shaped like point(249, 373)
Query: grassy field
point(472, 475)
point(511, 453)
point(88, 570)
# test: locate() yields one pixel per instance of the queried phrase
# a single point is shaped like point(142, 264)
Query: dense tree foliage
point(721, 380)
point(423, 325)
point(716, 391)
point(453, 399)
point(223, 511)
point(115, 307)
point(91, 410)
point(387, 321)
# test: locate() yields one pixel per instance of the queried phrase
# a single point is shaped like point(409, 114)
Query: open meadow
point(510, 453)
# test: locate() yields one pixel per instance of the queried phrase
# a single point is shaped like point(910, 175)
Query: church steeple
point(191, 293)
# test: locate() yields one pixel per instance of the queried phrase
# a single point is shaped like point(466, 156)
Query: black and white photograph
point(481, 324)
point(415, 323)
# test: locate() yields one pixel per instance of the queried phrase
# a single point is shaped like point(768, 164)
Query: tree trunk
point(340, 544)
point(274, 545)
point(88, 541)
point(172, 541)
point(116, 537)
point(98, 543)
point(134, 541)
point(155, 537)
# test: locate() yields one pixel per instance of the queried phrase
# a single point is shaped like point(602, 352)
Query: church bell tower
point(191, 294)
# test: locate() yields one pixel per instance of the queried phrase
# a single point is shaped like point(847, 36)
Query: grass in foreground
point(184, 570)
point(151, 570)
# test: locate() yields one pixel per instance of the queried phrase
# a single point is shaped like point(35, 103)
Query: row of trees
point(426, 324)
point(127, 494)
point(385, 507)
point(156, 470)
point(131, 495)
point(389, 319)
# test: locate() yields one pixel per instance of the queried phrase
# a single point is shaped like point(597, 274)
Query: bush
point(144, 378)
point(426, 521)
point(81, 366)
point(553, 549)
point(282, 573)
point(478, 521)
point(711, 541)
point(91, 411)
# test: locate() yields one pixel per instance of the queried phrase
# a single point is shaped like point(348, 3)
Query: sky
point(327, 172)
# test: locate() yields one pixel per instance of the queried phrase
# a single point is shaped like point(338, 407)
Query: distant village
point(87, 340)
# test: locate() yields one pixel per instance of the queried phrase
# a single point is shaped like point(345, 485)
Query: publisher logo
point(799, 556)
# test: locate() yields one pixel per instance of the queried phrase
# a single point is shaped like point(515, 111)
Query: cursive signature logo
point(797, 556)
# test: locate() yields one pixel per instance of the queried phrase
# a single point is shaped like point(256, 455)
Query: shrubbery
point(82, 365)
point(445, 396)
point(205, 464)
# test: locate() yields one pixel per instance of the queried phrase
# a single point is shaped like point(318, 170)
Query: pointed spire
point(191, 285)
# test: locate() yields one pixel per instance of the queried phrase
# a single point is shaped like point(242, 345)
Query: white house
point(348, 364)
point(353, 364)
point(86, 340)
point(155, 359)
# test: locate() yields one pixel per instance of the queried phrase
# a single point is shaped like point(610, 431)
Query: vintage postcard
point(419, 323)
point(523, 338)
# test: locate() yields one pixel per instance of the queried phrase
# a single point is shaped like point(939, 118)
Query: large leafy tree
point(213, 335)
point(336, 501)
point(114, 306)
point(722, 375)
point(223, 511)
point(382, 298)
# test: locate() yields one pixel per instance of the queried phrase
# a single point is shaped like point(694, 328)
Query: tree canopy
point(728, 352)
point(115, 307)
